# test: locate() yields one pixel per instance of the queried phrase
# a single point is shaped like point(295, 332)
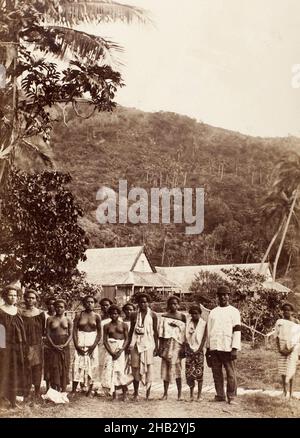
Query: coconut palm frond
point(74, 12)
point(41, 152)
point(85, 46)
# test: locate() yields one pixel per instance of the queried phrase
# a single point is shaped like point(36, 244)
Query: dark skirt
point(194, 366)
point(12, 357)
point(12, 372)
point(47, 359)
point(34, 329)
point(59, 363)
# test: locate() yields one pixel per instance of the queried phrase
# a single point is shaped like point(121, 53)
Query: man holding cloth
point(223, 342)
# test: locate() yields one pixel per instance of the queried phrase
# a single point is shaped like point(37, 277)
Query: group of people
point(118, 347)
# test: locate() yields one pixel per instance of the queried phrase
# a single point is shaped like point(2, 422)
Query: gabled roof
point(116, 266)
point(185, 275)
point(107, 260)
point(132, 278)
point(270, 284)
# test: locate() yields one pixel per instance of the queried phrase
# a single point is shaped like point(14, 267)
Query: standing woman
point(287, 334)
point(171, 342)
point(115, 340)
point(59, 335)
point(34, 324)
point(86, 337)
point(50, 303)
point(195, 340)
point(128, 310)
point(12, 351)
point(105, 304)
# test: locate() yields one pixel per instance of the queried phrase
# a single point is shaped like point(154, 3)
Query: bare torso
point(87, 322)
point(116, 330)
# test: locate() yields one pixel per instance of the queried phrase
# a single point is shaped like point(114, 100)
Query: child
point(195, 339)
point(115, 342)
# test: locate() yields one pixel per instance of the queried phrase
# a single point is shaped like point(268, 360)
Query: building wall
point(142, 264)
point(109, 292)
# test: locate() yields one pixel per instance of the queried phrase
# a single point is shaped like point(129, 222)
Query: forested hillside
point(166, 149)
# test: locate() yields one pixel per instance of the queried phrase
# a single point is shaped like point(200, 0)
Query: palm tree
point(47, 25)
point(287, 184)
point(292, 246)
point(275, 209)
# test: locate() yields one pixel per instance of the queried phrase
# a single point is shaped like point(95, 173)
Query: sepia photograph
point(149, 211)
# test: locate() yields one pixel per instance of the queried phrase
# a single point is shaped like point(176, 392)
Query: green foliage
point(259, 307)
point(25, 115)
point(72, 291)
point(153, 295)
point(204, 288)
point(40, 236)
point(169, 150)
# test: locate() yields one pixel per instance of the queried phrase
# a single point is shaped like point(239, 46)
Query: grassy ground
point(257, 368)
point(272, 407)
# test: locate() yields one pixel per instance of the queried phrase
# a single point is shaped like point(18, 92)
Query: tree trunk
point(284, 233)
point(163, 251)
point(289, 264)
point(271, 244)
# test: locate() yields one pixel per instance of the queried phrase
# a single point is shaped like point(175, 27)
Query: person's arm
point(70, 330)
point(105, 339)
point(48, 333)
point(208, 352)
point(278, 346)
point(236, 334)
point(132, 326)
point(203, 340)
point(75, 335)
point(155, 333)
point(43, 323)
point(126, 336)
point(98, 337)
point(125, 331)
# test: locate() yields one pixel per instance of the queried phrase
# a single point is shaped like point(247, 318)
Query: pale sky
point(227, 63)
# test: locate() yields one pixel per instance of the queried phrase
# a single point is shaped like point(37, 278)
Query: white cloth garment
point(171, 328)
point(114, 370)
point(143, 335)
point(85, 368)
point(56, 396)
point(194, 335)
point(288, 334)
point(220, 334)
point(143, 340)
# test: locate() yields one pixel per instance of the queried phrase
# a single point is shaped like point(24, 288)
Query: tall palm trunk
point(271, 243)
point(284, 233)
point(289, 264)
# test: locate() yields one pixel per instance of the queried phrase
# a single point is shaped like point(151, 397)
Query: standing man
point(143, 341)
point(223, 342)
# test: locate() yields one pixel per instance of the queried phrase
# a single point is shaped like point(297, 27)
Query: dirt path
point(101, 408)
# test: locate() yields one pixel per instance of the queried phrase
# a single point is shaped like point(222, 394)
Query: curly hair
point(173, 297)
point(195, 308)
point(84, 299)
point(114, 307)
